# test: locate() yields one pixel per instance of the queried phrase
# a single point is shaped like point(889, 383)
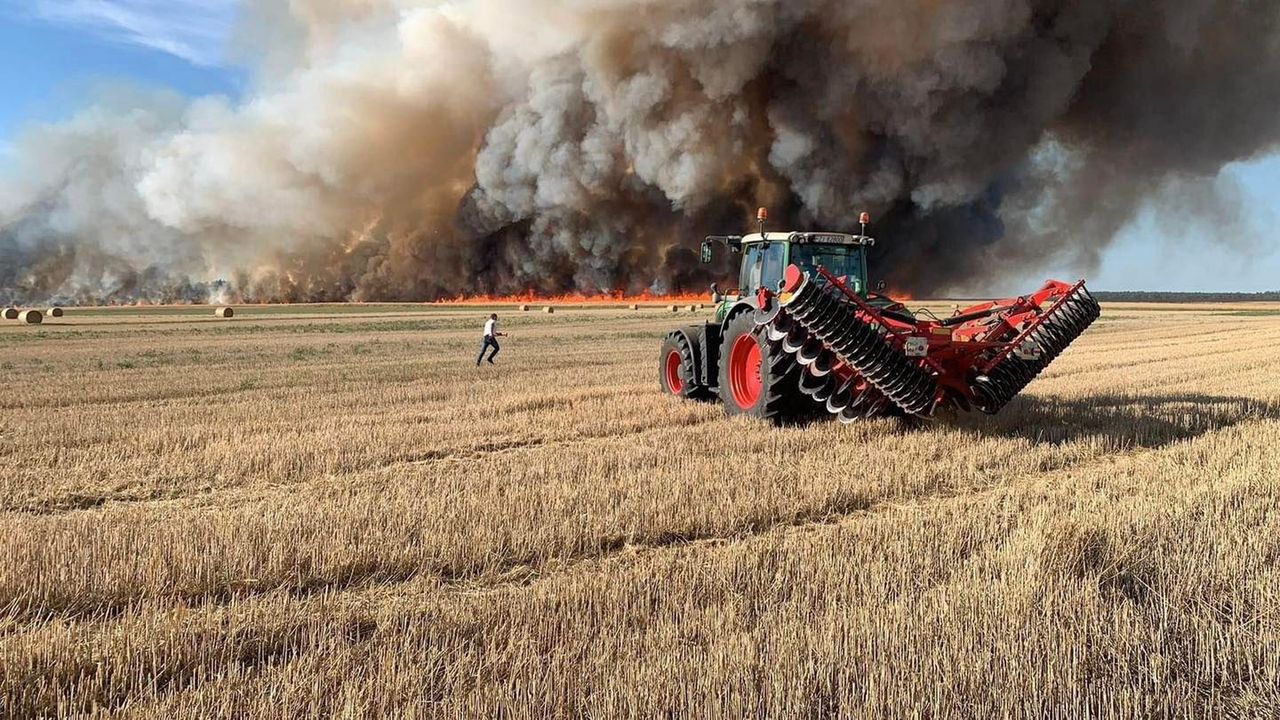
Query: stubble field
point(329, 511)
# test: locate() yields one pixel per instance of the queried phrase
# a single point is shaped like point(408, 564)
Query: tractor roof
point(815, 238)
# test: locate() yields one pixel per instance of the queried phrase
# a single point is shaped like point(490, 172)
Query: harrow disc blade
point(812, 385)
point(825, 392)
point(848, 415)
point(777, 329)
point(833, 321)
point(825, 362)
point(875, 408)
point(810, 312)
point(810, 351)
point(1056, 331)
point(897, 384)
point(841, 398)
point(830, 321)
point(795, 339)
point(860, 399)
point(1074, 314)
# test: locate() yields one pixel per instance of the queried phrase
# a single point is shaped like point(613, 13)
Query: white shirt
point(490, 327)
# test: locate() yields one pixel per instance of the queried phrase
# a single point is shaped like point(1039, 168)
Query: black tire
point(677, 344)
point(779, 399)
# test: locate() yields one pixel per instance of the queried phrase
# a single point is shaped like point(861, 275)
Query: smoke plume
point(416, 149)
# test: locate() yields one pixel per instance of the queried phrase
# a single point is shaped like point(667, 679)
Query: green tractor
point(804, 332)
point(763, 382)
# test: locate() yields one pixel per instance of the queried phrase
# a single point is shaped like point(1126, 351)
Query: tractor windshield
point(839, 260)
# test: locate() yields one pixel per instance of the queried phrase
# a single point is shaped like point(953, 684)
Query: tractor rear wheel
point(757, 378)
point(676, 370)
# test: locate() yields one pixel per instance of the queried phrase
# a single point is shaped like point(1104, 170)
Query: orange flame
point(613, 298)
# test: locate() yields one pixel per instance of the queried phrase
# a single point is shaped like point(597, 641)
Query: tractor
point(804, 333)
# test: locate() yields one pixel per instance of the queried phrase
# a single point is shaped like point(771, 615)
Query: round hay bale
point(11, 313)
point(30, 317)
point(634, 306)
point(524, 308)
point(55, 312)
point(225, 312)
point(673, 308)
point(693, 308)
point(548, 309)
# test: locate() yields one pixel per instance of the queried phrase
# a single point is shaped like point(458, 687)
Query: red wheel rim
point(675, 383)
point(744, 371)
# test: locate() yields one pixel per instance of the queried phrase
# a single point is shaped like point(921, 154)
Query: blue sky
point(1149, 257)
point(54, 53)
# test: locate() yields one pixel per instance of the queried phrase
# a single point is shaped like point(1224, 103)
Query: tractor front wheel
point(757, 378)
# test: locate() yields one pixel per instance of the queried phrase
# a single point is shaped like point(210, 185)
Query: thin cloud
point(194, 30)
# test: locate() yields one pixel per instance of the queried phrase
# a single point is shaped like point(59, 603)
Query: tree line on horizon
point(1187, 297)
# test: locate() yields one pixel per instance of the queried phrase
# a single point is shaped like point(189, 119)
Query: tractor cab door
point(762, 266)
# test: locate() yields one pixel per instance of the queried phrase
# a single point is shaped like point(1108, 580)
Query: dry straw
point(169, 609)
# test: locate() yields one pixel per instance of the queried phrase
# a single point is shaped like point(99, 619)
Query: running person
point(491, 336)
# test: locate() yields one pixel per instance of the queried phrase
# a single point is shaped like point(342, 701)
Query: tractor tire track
point(241, 495)
point(517, 571)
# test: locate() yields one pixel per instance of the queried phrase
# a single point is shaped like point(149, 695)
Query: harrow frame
point(855, 355)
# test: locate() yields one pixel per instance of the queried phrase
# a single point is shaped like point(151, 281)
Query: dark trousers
point(489, 342)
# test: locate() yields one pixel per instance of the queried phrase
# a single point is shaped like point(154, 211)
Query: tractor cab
point(766, 255)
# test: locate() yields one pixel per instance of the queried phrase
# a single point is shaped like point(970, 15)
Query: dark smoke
point(398, 150)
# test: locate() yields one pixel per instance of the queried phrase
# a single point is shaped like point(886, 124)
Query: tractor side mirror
point(706, 252)
point(881, 285)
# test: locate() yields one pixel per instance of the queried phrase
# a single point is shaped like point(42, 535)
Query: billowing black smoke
point(396, 152)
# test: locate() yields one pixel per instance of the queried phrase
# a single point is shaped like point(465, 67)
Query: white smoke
point(406, 149)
